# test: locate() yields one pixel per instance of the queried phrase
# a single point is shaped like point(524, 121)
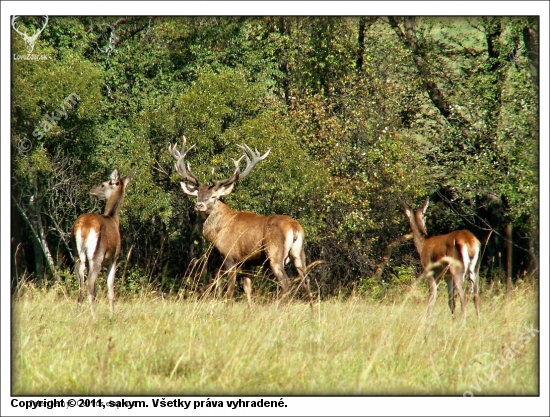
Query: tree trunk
point(40, 244)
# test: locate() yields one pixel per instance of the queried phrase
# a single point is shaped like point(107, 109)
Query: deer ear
point(405, 207)
point(224, 190)
point(115, 176)
point(189, 191)
point(425, 205)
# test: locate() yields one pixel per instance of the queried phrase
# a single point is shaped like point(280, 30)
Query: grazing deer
point(455, 255)
point(97, 238)
point(244, 236)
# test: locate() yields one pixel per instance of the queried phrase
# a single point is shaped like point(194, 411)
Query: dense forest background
point(358, 111)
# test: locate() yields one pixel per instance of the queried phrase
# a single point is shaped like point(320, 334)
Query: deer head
point(208, 195)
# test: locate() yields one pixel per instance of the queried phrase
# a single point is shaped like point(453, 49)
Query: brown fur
point(244, 236)
point(98, 240)
point(436, 247)
point(435, 254)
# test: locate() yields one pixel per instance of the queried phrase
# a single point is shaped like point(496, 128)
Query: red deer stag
point(243, 236)
point(455, 255)
point(97, 238)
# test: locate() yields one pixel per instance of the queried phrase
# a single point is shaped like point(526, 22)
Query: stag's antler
point(252, 158)
point(183, 168)
point(250, 162)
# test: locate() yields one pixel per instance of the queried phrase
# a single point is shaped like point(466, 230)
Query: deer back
point(248, 236)
point(99, 232)
point(432, 249)
point(450, 244)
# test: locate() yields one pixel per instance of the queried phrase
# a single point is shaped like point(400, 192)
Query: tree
point(358, 112)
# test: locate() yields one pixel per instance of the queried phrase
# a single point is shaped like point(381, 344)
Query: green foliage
point(401, 283)
point(357, 111)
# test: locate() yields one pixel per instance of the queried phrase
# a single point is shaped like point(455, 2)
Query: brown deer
point(455, 255)
point(243, 236)
point(97, 238)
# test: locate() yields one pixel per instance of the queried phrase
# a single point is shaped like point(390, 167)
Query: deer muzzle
point(200, 206)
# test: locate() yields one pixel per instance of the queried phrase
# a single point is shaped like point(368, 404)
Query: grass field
point(157, 346)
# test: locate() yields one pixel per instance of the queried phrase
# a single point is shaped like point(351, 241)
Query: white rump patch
point(289, 241)
point(465, 260)
point(296, 246)
point(78, 240)
point(91, 244)
point(473, 264)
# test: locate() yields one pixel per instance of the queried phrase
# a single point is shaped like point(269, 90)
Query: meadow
point(170, 346)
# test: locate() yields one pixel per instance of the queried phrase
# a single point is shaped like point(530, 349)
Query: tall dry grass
point(156, 346)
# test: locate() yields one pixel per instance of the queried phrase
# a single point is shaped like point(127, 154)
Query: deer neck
point(419, 237)
point(114, 204)
point(215, 222)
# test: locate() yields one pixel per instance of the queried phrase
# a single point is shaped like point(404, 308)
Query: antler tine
point(177, 154)
point(252, 158)
point(183, 168)
point(232, 178)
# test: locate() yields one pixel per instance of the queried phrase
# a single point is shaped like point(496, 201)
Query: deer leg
point(460, 282)
point(93, 272)
point(468, 266)
point(472, 273)
point(299, 263)
point(450, 290)
point(111, 286)
point(247, 286)
point(80, 271)
point(464, 273)
point(279, 271)
point(460, 289)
